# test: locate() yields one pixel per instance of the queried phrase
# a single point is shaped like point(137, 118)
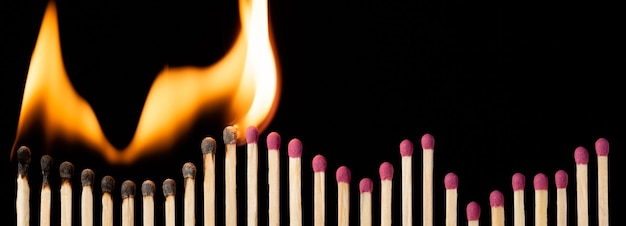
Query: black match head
point(189, 170)
point(230, 135)
point(86, 177)
point(107, 184)
point(66, 169)
point(128, 189)
point(169, 187)
point(46, 167)
point(208, 145)
point(147, 188)
point(23, 158)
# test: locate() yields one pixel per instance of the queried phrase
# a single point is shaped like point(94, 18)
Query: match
point(428, 145)
point(147, 191)
point(230, 174)
point(294, 151)
point(602, 152)
point(386, 182)
point(22, 201)
point(319, 190)
point(208, 147)
point(365, 200)
point(46, 191)
point(473, 213)
point(128, 202)
point(540, 183)
point(406, 153)
point(169, 192)
point(252, 138)
point(86, 203)
point(107, 185)
point(273, 178)
point(518, 182)
point(451, 183)
point(189, 195)
point(343, 195)
point(496, 201)
point(581, 157)
point(560, 179)
point(66, 170)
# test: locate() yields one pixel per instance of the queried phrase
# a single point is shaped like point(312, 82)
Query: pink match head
point(273, 141)
point(451, 181)
point(343, 174)
point(473, 211)
point(602, 147)
point(366, 185)
point(294, 148)
point(319, 163)
point(560, 179)
point(581, 155)
point(496, 198)
point(406, 148)
point(540, 182)
point(386, 171)
point(518, 181)
point(428, 141)
point(252, 135)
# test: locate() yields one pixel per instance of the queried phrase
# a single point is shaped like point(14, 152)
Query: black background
point(504, 87)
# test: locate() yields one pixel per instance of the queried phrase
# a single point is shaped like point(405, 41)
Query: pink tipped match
point(406, 148)
point(602, 147)
point(473, 211)
point(319, 163)
point(428, 141)
point(496, 198)
point(343, 174)
point(252, 135)
point(451, 181)
point(560, 179)
point(294, 148)
point(518, 181)
point(366, 185)
point(273, 141)
point(386, 171)
point(540, 182)
point(581, 155)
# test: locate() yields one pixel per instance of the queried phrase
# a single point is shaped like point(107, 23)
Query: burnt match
point(46, 191)
point(147, 190)
point(66, 170)
point(107, 185)
point(128, 202)
point(86, 204)
point(22, 201)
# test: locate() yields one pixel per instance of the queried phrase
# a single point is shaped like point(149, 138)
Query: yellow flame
point(246, 78)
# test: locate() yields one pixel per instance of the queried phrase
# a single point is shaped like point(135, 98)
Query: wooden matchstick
point(560, 179)
point(208, 147)
point(169, 192)
point(189, 175)
point(451, 183)
point(86, 204)
point(365, 187)
point(147, 190)
point(581, 157)
point(230, 174)
point(386, 181)
point(428, 144)
point(473, 213)
point(128, 202)
point(406, 153)
point(343, 195)
point(22, 200)
point(294, 151)
point(319, 190)
point(273, 178)
point(602, 152)
point(46, 191)
point(496, 201)
point(107, 185)
point(66, 170)
point(541, 199)
point(518, 182)
point(252, 147)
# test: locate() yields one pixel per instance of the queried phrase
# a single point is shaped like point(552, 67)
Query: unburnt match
point(189, 195)
point(252, 137)
point(472, 212)
point(451, 183)
point(343, 195)
point(386, 182)
point(540, 183)
point(518, 182)
point(319, 190)
point(66, 170)
point(22, 201)
point(496, 201)
point(428, 145)
point(406, 153)
point(46, 191)
point(560, 179)
point(365, 200)
point(128, 202)
point(273, 178)
point(147, 190)
point(581, 157)
point(107, 185)
point(602, 152)
point(86, 202)
point(208, 147)
point(294, 151)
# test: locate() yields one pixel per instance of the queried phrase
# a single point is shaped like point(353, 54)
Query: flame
point(246, 78)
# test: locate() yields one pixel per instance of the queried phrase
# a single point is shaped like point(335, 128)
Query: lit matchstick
point(518, 183)
point(581, 157)
point(428, 145)
point(319, 190)
point(365, 187)
point(386, 180)
point(66, 169)
point(22, 201)
point(46, 191)
point(273, 178)
point(451, 182)
point(496, 201)
point(107, 185)
point(294, 151)
point(473, 213)
point(230, 174)
point(208, 147)
point(189, 175)
point(169, 192)
point(602, 152)
point(252, 137)
point(406, 153)
point(540, 183)
point(86, 204)
point(343, 196)
point(560, 179)
point(128, 202)
point(147, 190)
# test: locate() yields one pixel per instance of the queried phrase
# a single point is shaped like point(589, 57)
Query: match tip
point(343, 174)
point(428, 141)
point(518, 181)
point(602, 147)
point(252, 135)
point(386, 171)
point(560, 179)
point(23, 158)
point(451, 181)
point(406, 147)
point(496, 198)
point(319, 163)
point(128, 189)
point(366, 185)
point(87, 177)
point(107, 184)
point(147, 188)
point(473, 211)
point(273, 141)
point(581, 155)
point(66, 169)
point(208, 145)
point(540, 182)
point(230, 135)
point(189, 170)
point(46, 164)
point(294, 148)
point(169, 187)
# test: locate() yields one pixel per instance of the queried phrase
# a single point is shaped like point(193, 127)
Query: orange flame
point(246, 78)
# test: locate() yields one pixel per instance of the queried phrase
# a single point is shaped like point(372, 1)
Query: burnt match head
point(230, 135)
point(208, 145)
point(252, 135)
point(147, 188)
point(169, 187)
point(23, 160)
point(66, 170)
point(46, 167)
point(189, 170)
point(86, 177)
point(107, 184)
point(128, 189)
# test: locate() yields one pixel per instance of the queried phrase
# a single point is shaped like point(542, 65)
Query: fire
point(246, 78)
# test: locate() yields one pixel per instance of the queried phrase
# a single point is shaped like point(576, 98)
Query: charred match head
point(107, 184)
point(189, 170)
point(23, 160)
point(46, 166)
point(252, 135)
point(208, 145)
point(169, 187)
point(147, 188)
point(128, 189)
point(86, 177)
point(230, 135)
point(66, 170)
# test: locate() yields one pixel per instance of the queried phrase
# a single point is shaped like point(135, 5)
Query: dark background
point(504, 87)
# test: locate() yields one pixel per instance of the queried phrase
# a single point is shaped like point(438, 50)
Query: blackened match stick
point(343, 195)
point(189, 175)
point(386, 182)
point(107, 185)
point(428, 145)
point(518, 183)
point(128, 202)
point(406, 153)
point(294, 151)
point(66, 170)
point(208, 147)
point(273, 178)
point(319, 190)
point(451, 183)
point(496, 201)
point(230, 174)
point(252, 147)
point(473, 213)
point(46, 191)
point(581, 157)
point(602, 152)
point(560, 179)
point(86, 203)
point(365, 188)
point(169, 192)
point(540, 183)
point(22, 201)
point(147, 190)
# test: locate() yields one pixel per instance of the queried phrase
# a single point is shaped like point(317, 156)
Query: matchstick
point(343, 196)
point(230, 174)
point(365, 188)
point(581, 157)
point(319, 190)
point(496, 201)
point(518, 182)
point(252, 137)
point(273, 178)
point(46, 191)
point(294, 151)
point(451, 183)
point(22, 200)
point(86, 204)
point(428, 145)
point(128, 202)
point(107, 185)
point(406, 153)
point(540, 183)
point(602, 152)
point(147, 190)
point(386, 178)
point(560, 179)
point(66, 169)
point(169, 192)
point(189, 175)
point(208, 147)
point(473, 213)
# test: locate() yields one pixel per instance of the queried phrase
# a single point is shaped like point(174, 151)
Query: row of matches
point(343, 178)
